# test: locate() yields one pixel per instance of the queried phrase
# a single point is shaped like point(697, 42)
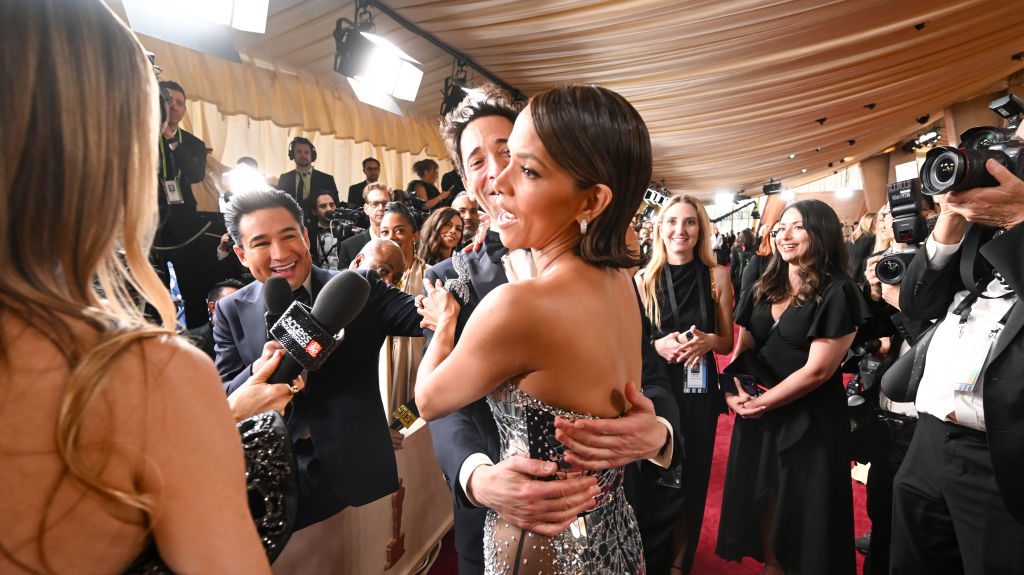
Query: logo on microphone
point(313, 348)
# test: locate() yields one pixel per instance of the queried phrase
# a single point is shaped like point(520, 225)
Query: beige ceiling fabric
point(292, 101)
point(730, 88)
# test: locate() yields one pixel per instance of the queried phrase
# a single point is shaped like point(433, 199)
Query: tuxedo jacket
point(291, 184)
point(355, 195)
point(927, 294)
point(472, 429)
point(349, 249)
point(341, 406)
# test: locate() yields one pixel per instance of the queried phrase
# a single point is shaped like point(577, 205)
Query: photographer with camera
point(882, 427)
point(324, 240)
point(957, 503)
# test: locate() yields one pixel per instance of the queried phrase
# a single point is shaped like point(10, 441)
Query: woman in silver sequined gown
point(580, 161)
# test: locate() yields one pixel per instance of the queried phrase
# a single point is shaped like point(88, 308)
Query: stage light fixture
point(372, 60)
point(772, 187)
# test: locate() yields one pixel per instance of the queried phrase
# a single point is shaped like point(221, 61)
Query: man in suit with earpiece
point(301, 182)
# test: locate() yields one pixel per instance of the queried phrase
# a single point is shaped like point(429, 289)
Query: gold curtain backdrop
point(292, 100)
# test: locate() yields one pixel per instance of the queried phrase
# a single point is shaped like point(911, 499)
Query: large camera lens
point(890, 271)
point(949, 169)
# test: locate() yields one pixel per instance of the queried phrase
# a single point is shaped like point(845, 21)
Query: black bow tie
point(301, 295)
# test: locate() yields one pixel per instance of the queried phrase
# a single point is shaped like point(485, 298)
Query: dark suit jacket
point(472, 428)
point(355, 195)
point(926, 294)
point(349, 249)
point(341, 405)
point(289, 182)
point(180, 221)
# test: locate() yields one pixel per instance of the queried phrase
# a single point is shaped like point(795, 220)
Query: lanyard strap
point(671, 288)
point(163, 157)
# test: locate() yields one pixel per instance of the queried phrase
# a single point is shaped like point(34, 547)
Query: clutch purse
point(270, 476)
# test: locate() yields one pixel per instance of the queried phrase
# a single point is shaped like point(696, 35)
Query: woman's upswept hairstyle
point(78, 200)
point(430, 239)
point(423, 165)
point(598, 137)
point(651, 275)
point(825, 258)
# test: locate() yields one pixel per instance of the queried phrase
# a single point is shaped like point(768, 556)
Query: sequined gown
point(602, 541)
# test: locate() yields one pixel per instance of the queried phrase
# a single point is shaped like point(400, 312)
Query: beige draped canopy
point(729, 88)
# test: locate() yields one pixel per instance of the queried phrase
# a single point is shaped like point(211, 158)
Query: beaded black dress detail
point(602, 541)
point(271, 484)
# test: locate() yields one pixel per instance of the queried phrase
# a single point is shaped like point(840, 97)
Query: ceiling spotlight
point(830, 164)
point(870, 106)
point(372, 60)
point(817, 149)
point(919, 26)
point(923, 119)
point(851, 142)
point(1018, 56)
point(803, 171)
point(791, 156)
point(822, 120)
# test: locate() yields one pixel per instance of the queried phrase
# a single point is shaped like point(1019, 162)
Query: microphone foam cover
point(341, 300)
point(277, 295)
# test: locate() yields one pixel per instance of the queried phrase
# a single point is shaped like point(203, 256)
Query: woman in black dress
point(757, 264)
point(425, 188)
point(787, 499)
point(685, 292)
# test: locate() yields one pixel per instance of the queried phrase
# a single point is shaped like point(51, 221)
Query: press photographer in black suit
point(466, 442)
point(180, 239)
point(958, 499)
point(342, 443)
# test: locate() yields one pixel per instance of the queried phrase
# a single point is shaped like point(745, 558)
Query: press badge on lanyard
point(967, 371)
point(697, 378)
point(172, 193)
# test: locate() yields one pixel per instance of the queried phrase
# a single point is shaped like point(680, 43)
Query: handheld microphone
point(277, 296)
point(338, 303)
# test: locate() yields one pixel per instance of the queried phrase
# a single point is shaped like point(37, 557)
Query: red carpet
point(706, 563)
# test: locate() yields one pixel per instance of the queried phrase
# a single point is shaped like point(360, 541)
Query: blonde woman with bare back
point(113, 433)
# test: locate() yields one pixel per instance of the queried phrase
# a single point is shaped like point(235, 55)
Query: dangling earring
point(583, 226)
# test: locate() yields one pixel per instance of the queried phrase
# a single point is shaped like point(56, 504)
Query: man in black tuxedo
point(466, 441)
point(342, 443)
point(371, 169)
point(958, 503)
point(376, 196)
point(301, 182)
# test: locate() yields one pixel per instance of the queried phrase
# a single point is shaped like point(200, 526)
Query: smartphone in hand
point(750, 385)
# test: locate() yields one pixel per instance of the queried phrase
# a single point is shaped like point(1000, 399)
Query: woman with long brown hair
point(688, 299)
point(787, 498)
point(113, 432)
point(439, 236)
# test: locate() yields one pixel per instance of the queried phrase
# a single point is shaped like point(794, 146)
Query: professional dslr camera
point(346, 222)
point(908, 227)
point(949, 169)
